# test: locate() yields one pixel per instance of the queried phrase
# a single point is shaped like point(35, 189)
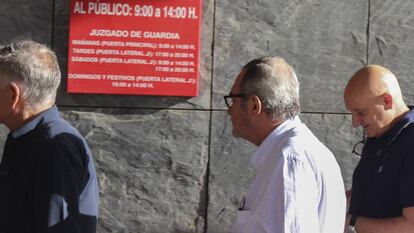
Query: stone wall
point(169, 164)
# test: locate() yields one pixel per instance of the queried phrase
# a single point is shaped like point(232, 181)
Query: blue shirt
point(382, 184)
point(47, 179)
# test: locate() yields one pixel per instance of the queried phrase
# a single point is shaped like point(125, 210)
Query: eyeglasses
point(359, 146)
point(357, 149)
point(228, 99)
point(382, 153)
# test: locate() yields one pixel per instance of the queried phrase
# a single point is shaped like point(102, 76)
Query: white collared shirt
point(298, 187)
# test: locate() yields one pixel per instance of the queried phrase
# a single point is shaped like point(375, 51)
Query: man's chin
point(371, 134)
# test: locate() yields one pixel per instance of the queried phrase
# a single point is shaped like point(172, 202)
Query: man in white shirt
point(298, 185)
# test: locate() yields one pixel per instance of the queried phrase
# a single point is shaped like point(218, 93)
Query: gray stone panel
point(151, 166)
point(391, 40)
point(131, 101)
point(231, 171)
point(26, 20)
point(324, 41)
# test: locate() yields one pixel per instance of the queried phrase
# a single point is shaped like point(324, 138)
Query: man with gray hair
point(47, 177)
point(298, 185)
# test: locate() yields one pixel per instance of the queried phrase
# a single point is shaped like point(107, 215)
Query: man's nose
point(356, 121)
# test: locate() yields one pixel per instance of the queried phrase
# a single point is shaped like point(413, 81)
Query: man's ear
point(388, 101)
point(14, 96)
point(254, 105)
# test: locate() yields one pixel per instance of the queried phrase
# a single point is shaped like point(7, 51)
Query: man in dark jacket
point(47, 177)
point(382, 196)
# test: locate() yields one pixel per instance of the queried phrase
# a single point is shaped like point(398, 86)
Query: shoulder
point(301, 140)
point(408, 132)
point(59, 126)
point(61, 141)
point(405, 139)
point(303, 147)
point(59, 133)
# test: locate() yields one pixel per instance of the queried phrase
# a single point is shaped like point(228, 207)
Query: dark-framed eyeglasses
point(381, 153)
point(228, 99)
point(359, 146)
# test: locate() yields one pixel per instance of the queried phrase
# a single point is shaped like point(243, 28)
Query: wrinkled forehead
point(356, 101)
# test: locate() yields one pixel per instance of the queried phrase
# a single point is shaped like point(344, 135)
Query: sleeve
point(58, 183)
point(407, 174)
point(300, 195)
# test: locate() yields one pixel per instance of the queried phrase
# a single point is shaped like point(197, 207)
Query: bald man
point(382, 196)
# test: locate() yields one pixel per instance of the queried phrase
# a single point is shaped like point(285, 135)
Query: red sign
point(139, 47)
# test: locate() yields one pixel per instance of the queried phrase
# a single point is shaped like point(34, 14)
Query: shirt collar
point(262, 152)
point(44, 117)
point(390, 135)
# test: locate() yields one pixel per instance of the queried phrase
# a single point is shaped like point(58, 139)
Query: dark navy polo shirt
point(383, 181)
point(47, 179)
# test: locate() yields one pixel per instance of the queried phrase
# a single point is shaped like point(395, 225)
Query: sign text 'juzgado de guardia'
point(141, 47)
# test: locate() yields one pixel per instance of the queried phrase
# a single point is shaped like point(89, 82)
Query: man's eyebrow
point(358, 109)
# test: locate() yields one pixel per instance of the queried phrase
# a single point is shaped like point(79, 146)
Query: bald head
point(373, 80)
point(374, 98)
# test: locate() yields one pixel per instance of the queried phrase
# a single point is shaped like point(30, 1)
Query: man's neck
point(25, 115)
point(396, 117)
point(270, 126)
point(400, 114)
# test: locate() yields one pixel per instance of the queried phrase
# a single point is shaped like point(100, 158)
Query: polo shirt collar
point(263, 151)
point(44, 117)
point(392, 133)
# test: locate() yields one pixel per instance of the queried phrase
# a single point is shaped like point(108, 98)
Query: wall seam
point(211, 110)
point(207, 196)
point(52, 43)
point(368, 30)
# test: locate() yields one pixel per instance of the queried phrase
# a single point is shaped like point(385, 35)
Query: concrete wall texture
point(169, 164)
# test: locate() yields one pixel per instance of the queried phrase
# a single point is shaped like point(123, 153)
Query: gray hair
point(274, 81)
point(34, 68)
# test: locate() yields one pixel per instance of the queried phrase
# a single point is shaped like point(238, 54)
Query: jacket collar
point(43, 118)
